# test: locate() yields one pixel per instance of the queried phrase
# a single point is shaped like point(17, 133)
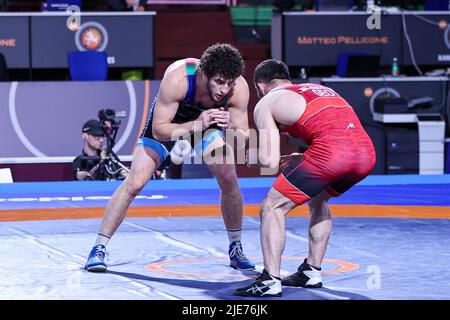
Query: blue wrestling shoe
point(238, 260)
point(95, 261)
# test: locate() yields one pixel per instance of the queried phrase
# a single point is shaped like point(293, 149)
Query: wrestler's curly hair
point(222, 59)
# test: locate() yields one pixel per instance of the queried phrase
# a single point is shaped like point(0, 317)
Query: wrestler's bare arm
point(269, 136)
point(172, 90)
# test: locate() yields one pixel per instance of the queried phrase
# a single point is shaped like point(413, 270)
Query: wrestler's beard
point(210, 93)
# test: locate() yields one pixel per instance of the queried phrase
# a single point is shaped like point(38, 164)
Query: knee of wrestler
point(267, 208)
point(133, 185)
point(227, 181)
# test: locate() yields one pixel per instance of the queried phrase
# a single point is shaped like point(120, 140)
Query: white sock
point(102, 239)
point(234, 235)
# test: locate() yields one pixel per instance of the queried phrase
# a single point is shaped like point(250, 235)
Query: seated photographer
point(94, 163)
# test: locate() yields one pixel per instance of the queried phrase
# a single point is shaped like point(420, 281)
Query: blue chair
point(88, 65)
point(436, 5)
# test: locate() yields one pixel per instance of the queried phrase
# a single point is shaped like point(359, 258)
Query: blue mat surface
point(392, 259)
point(185, 258)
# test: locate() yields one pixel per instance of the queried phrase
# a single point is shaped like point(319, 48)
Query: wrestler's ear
point(260, 87)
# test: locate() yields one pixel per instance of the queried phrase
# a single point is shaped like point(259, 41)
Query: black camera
point(107, 115)
point(110, 125)
point(111, 116)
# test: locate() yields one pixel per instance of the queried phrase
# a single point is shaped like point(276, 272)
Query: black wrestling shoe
point(306, 276)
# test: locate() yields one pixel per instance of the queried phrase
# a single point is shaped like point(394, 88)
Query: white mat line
point(34, 240)
point(169, 240)
point(43, 246)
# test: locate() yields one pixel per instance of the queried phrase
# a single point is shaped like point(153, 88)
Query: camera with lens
point(109, 121)
point(110, 125)
point(107, 115)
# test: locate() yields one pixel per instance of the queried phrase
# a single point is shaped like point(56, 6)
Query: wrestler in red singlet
point(340, 152)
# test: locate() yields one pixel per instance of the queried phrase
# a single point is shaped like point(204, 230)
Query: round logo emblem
point(91, 36)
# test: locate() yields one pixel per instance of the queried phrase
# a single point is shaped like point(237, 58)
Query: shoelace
point(237, 253)
point(102, 254)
